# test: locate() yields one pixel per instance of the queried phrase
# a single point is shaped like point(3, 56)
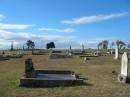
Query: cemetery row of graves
point(92, 72)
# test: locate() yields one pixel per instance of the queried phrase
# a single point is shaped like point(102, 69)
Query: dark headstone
point(29, 69)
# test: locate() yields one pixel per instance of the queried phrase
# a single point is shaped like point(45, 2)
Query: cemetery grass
point(15, 52)
point(101, 81)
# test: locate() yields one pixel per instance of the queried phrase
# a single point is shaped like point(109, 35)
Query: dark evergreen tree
point(50, 45)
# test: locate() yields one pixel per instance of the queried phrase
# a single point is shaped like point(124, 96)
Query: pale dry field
point(101, 81)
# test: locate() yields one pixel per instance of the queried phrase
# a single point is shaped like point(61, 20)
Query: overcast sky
point(63, 21)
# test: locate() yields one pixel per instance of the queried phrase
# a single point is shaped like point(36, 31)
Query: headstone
point(124, 69)
point(70, 54)
point(3, 53)
point(12, 48)
point(111, 52)
point(96, 53)
point(70, 48)
point(116, 54)
point(108, 53)
point(85, 58)
point(29, 69)
point(82, 49)
point(124, 64)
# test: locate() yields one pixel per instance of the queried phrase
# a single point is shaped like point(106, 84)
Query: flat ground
point(102, 82)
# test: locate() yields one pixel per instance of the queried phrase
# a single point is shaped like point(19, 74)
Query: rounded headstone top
point(124, 64)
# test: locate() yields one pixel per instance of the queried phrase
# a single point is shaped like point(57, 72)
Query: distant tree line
point(31, 45)
point(105, 44)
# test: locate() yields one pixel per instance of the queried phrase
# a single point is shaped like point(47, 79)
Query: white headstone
point(111, 52)
point(70, 54)
point(124, 64)
point(96, 53)
point(85, 59)
point(116, 53)
point(82, 45)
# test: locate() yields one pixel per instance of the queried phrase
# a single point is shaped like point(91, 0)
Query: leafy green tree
point(30, 44)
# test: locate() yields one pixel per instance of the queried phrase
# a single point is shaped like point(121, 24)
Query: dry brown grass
point(101, 83)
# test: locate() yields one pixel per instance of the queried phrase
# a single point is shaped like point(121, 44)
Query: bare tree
point(128, 45)
point(120, 44)
point(112, 44)
point(103, 44)
point(99, 45)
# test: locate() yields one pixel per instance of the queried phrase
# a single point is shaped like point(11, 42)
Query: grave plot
point(39, 52)
point(48, 78)
point(83, 56)
point(78, 53)
point(104, 53)
point(87, 57)
point(2, 57)
point(59, 56)
point(6, 57)
point(15, 56)
point(56, 51)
